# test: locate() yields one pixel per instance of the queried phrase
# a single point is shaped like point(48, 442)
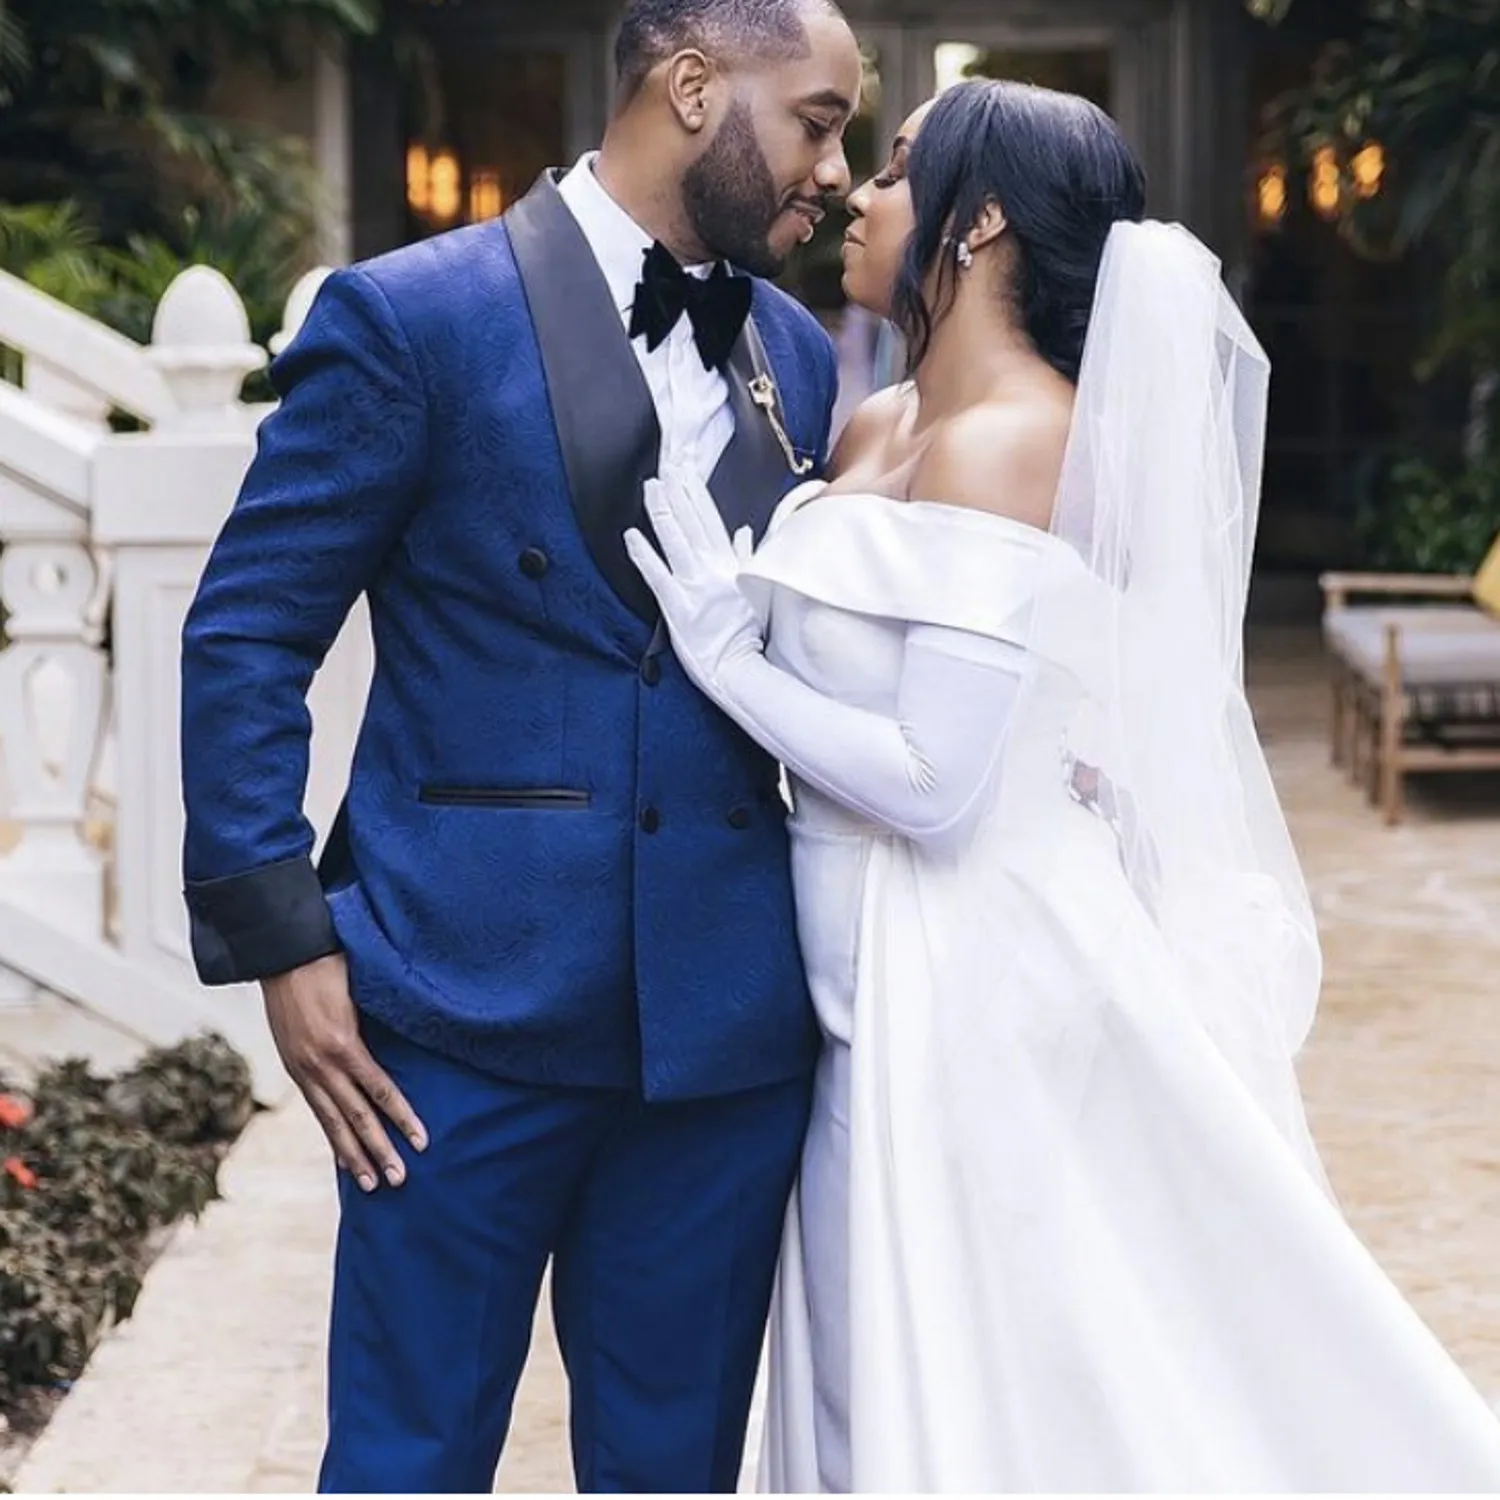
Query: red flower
point(15, 1167)
point(14, 1112)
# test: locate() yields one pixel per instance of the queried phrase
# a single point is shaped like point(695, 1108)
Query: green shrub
point(1423, 519)
point(89, 1168)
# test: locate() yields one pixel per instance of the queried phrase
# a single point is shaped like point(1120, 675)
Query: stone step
point(51, 1028)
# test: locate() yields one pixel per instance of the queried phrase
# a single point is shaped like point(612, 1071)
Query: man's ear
point(689, 78)
point(988, 227)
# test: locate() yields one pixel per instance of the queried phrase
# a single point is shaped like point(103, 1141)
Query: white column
point(332, 149)
point(53, 684)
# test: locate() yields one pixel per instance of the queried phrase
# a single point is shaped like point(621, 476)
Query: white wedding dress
point(1126, 1279)
point(1060, 1224)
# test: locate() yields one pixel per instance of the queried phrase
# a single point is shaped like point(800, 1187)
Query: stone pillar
point(53, 691)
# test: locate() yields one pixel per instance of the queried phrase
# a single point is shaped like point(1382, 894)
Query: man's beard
point(731, 198)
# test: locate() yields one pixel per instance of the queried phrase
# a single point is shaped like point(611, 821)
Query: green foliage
point(55, 248)
point(102, 119)
point(89, 1176)
point(196, 1092)
point(127, 53)
point(113, 180)
point(258, 247)
point(1422, 77)
point(1422, 519)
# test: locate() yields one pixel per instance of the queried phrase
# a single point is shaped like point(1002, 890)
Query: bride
point(1060, 1225)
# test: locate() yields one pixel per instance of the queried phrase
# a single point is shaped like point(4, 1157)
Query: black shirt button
point(650, 820)
point(739, 818)
point(651, 671)
point(534, 562)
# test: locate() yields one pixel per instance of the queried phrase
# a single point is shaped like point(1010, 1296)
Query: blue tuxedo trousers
point(662, 1220)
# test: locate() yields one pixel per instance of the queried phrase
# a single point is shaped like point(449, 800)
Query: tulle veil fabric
point(1160, 498)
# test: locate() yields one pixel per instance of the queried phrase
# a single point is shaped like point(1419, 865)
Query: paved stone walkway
point(216, 1384)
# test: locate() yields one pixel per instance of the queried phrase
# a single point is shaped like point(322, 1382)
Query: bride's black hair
point(1062, 174)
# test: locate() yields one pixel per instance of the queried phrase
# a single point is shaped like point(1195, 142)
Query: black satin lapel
point(601, 406)
point(753, 474)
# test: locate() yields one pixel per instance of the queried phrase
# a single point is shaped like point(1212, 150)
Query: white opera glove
point(696, 581)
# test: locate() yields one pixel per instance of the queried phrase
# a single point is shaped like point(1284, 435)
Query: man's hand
point(316, 1029)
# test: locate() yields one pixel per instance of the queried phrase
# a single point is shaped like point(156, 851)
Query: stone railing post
point(298, 305)
point(53, 701)
point(200, 341)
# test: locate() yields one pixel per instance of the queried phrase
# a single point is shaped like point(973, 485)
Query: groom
point(543, 993)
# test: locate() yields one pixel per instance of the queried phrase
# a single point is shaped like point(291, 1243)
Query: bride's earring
point(965, 256)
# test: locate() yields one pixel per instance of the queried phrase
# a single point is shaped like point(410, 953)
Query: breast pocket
point(532, 799)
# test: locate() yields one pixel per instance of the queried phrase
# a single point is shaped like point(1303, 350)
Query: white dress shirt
point(692, 404)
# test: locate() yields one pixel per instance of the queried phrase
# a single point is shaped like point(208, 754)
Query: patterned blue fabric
point(661, 1222)
point(549, 939)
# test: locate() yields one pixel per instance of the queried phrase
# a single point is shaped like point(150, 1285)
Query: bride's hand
point(712, 624)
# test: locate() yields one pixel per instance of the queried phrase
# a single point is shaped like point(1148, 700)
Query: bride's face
point(883, 223)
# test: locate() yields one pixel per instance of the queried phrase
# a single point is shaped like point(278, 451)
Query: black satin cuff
point(264, 922)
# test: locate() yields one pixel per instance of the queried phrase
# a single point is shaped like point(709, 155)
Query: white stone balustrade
point(200, 342)
point(103, 529)
point(298, 305)
point(53, 686)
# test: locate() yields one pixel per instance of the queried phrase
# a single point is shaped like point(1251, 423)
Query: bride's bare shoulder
point(875, 422)
point(1005, 457)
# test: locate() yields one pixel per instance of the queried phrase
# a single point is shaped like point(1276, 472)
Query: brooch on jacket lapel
point(763, 393)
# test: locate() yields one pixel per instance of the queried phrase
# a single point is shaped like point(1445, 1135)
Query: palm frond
point(34, 231)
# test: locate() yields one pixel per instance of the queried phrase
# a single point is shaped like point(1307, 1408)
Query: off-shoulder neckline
point(819, 493)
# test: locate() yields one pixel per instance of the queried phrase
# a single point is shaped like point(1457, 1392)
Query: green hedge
point(1423, 518)
point(89, 1168)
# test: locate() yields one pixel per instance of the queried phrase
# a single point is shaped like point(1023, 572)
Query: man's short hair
point(727, 30)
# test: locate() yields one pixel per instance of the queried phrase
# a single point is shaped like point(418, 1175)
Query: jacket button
point(739, 818)
point(534, 562)
point(651, 671)
point(650, 820)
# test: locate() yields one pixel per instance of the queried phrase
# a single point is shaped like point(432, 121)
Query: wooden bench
point(1415, 679)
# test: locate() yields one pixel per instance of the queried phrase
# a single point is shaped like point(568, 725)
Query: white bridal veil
point(1137, 699)
point(1160, 497)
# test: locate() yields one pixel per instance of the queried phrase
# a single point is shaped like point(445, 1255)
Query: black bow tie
point(716, 305)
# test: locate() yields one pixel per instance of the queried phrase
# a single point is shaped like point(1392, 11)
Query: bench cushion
point(1440, 645)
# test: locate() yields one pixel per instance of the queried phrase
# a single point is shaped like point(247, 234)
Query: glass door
point(1076, 65)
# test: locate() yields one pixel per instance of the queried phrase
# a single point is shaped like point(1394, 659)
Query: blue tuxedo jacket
point(556, 859)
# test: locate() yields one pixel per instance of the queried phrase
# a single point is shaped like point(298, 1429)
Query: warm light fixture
point(486, 201)
point(1367, 166)
point(1270, 194)
point(418, 178)
point(1324, 184)
point(447, 187)
point(951, 62)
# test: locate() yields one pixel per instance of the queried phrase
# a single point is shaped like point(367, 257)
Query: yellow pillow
point(1487, 581)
